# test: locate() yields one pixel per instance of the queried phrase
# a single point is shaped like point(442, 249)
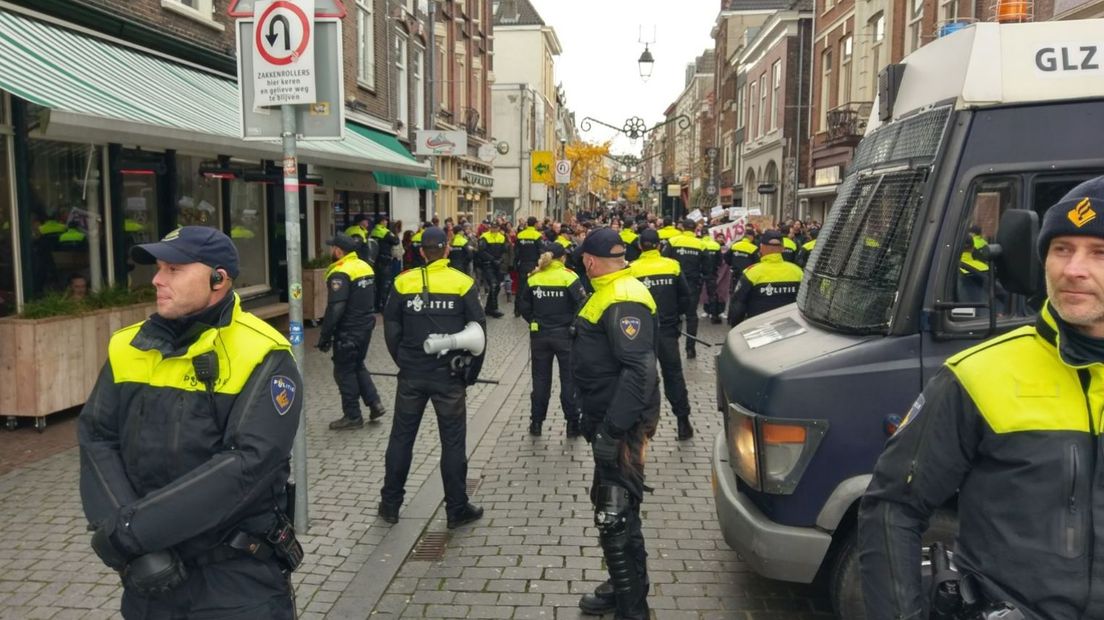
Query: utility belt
point(955, 596)
point(279, 544)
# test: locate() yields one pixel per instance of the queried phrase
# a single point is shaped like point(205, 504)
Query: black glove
point(325, 346)
point(155, 573)
point(607, 448)
point(111, 553)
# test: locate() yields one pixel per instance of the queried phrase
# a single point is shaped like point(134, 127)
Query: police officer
point(527, 252)
point(359, 228)
point(742, 254)
point(492, 249)
point(347, 327)
point(615, 369)
point(688, 250)
point(435, 299)
point(789, 243)
point(663, 277)
point(416, 246)
point(807, 248)
point(549, 302)
point(184, 445)
point(460, 251)
point(386, 240)
point(667, 232)
point(771, 283)
point(632, 245)
point(711, 262)
point(1012, 425)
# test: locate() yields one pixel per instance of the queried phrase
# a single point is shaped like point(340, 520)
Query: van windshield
point(852, 276)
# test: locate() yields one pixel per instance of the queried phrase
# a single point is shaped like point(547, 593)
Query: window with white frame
point(752, 117)
point(776, 78)
point(876, 29)
point(763, 90)
point(846, 52)
point(461, 83)
point(443, 83)
point(477, 87)
point(950, 10)
point(418, 67)
point(739, 108)
point(366, 44)
point(402, 86)
point(825, 87)
point(913, 37)
point(200, 10)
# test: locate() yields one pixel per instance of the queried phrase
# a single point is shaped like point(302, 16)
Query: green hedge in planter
point(320, 262)
point(59, 304)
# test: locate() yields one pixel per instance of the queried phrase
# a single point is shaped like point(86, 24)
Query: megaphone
point(471, 339)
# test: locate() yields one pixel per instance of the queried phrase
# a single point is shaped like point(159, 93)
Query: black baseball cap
point(433, 238)
point(343, 241)
point(191, 244)
point(604, 243)
point(556, 249)
point(771, 237)
point(650, 236)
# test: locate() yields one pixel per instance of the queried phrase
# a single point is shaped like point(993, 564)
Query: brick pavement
point(531, 557)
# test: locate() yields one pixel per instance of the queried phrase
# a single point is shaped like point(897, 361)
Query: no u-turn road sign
point(283, 53)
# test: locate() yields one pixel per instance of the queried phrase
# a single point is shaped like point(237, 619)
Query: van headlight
point(771, 454)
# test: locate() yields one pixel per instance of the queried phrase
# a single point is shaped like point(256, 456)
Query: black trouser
point(670, 368)
point(353, 381)
point(627, 540)
point(492, 278)
point(236, 589)
point(523, 270)
point(692, 312)
point(544, 349)
point(713, 303)
point(383, 283)
point(448, 398)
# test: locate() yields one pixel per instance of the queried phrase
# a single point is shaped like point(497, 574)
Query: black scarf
point(173, 336)
point(1077, 348)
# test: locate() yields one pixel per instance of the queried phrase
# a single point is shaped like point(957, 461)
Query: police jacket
point(613, 354)
point(771, 283)
point(741, 255)
point(789, 249)
point(711, 257)
point(689, 252)
point(667, 232)
point(568, 244)
point(356, 231)
point(1013, 425)
point(550, 301)
point(460, 254)
point(169, 462)
point(632, 244)
point(530, 244)
point(416, 247)
point(492, 247)
point(435, 299)
point(663, 277)
point(351, 301)
point(574, 261)
point(387, 241)
point(806, 250)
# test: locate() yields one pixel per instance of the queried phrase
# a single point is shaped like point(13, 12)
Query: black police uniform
point(530, 245)
point(771, 283)
point(492, 249)
point(185, 443)
point(741, 255)
point(347, 325)
point(416, 258)
point(688, 251)
point(574, 262)
point(663, 277)
point(386, 240)
point(549, 303)
point(460, 253)
point(435, 299)
point(632, 244)
point(615, 370)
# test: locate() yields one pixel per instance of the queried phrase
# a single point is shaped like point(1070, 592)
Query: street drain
point(431, 547)
point(473, 485)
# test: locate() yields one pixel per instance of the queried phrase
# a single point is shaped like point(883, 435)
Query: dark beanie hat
point(1079, 212)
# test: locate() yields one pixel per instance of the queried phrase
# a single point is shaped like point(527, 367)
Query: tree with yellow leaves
point(588, 170)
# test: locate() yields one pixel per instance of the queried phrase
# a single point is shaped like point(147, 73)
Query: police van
point(928, 248)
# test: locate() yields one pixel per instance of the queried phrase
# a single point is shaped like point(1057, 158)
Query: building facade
point(525, 100)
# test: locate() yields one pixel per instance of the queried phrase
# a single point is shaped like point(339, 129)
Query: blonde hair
point(544, 261)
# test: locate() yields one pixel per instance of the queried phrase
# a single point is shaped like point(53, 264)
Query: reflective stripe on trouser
point(448, 399)
point(670, 369)
point(544, 350)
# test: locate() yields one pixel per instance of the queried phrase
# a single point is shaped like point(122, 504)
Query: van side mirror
point(1017, 263)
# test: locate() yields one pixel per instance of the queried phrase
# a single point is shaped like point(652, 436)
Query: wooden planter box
point(314, 294)
point(49, 365)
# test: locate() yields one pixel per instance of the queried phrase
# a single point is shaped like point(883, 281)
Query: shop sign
point(283, 53)
point(439, 142)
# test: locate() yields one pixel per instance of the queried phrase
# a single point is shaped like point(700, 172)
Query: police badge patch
point(630, 326)
point(335, 284)
point(913, 413)
point(283, 393)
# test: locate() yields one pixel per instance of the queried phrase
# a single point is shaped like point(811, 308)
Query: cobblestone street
point(531, 556)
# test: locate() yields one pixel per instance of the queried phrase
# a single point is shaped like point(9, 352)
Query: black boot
point(601, 601)
point(388, 513)
point(573, 429)
point(346, 424)
point(535, 428)
point(691, 353)
point(685, 431)
point(470, 512)
point(376, 411)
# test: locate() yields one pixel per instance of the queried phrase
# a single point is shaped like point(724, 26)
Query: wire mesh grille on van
point(852, 275)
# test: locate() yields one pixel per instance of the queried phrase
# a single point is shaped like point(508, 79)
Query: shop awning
point(97, 91)
point(392, 143)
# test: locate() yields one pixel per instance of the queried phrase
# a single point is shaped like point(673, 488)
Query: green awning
point(391, 142)
point(98, 91)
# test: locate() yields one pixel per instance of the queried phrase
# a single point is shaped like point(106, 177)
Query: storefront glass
point(247, 229)
point(7, 232)
point(198, 198)
point(65, 200)
point(139, 200)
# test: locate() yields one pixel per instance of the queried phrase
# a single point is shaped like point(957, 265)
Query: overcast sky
point(598, 67)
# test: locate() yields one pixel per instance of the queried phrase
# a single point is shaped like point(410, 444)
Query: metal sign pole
point(295, 306)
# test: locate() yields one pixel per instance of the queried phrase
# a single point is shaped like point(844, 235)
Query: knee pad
point(611, 511)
